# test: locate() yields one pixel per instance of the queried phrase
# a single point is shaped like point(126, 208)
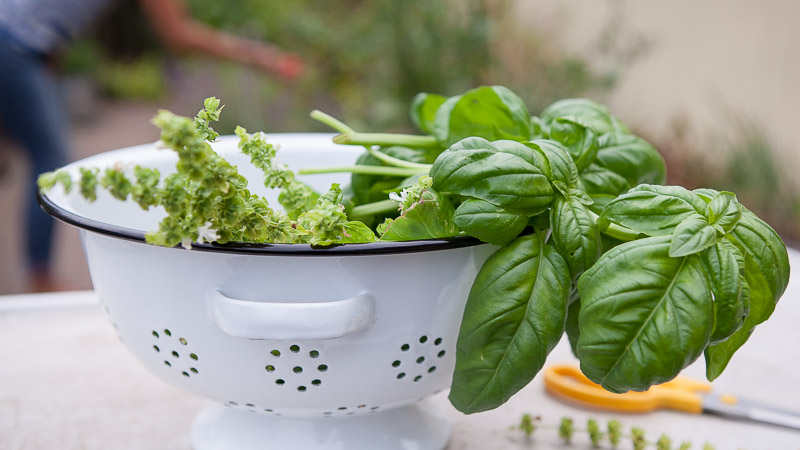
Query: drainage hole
point(155, 347)
point(432, 369)
point(405, 347)
point(417, 378)
point(175, 354)
point(374, 408)
point(270, 368)
point(437, 341)
point(280, 382)
point(183, 341)
point(423, 339)
point(327, 413)
point(168, 363)
point(420, 360)
point(193, 356)
point(342, 408)
point(231, 402)
point(316, 382)
point(322, 368)
point(186, 374)
point(401, 375)
point(168, 333)
point(294, 348)
point(396, 364)
point(276, 353)
point(313, 354)
point(297, 369)
point(155, 333)
point(441, 354)
point(362, 406)
point(250, 405)
point(267, 410)
point(301, 388)
point(193, 370)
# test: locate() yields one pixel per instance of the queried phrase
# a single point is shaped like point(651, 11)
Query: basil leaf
point(591, 113)
point(490, 112)
point(692, 235)
point(514, 316)
point(505, 173)
point(560, 166)
point(760, 241)
point(572, 328)
point(761, 307)
point(599, 180)
point(577, 137)
point(575, 234)
point(652, 210)
point(631, 157)
point(731, 301)
point(644, 316)
point(357, 233)
point(488, 222)
point(724, 211)
point(423, 110)
point(430, 218)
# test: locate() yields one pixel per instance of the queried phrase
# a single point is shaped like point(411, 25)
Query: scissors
point(683, 394)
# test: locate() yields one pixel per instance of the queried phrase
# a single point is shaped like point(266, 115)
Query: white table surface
point(66, 382)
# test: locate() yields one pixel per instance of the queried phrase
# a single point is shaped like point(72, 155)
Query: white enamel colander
point(297, 347)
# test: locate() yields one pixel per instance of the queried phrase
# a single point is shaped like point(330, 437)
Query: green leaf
point(731, 299)
point(357, 233)
point(692, 235)
point(514, 316)
point(430, 218)
point(591, 113)
point(724, 211)
point(652, 210)
point(423, 110)
point(599, 180)
point(560, 166)
point(488, 222)
point(572, 328)
point(631, 157)
point(644, 315)
point(490, 112)
point(504, 173)
point(577, 137)
point(761, 307)
point(760, 241)
point(575, 234)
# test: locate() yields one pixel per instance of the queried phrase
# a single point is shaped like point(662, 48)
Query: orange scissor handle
point(569, 383)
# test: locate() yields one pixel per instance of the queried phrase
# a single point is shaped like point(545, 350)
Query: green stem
point(331, 121)
point(617, 231)
point(369, 209)
point(397, 162)
point(386, 139)
point(366, 170)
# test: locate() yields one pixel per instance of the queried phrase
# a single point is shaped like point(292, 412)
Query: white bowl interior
point(297, 150)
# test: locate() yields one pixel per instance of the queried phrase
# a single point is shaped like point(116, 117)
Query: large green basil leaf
point(599, 180)
point(490, 112)
point(575, 234)
point(504, 173)
point(592, 113)
point(431, 217)
point(423, 110)
point(692, 235)
point(652, 210)
point(577, 137)
point(572, 327)
point(561, 169)
point(724, 211)
point(488, 222)
point(631, 157)
point(514, 316)
point(731, 299)
point(761, 307)
point(767, 249)
point(644, 316)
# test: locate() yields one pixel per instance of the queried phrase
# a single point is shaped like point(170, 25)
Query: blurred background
point(713, 84)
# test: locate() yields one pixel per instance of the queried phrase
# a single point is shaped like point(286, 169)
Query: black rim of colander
point(372, 248)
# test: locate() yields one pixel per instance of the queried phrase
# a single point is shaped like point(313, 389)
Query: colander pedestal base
point(418, 426)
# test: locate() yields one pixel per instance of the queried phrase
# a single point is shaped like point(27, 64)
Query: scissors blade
point(745, 410)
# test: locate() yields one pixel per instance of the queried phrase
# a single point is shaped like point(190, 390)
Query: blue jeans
point(31, 115)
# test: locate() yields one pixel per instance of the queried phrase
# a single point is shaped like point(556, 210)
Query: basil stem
point(386, 139)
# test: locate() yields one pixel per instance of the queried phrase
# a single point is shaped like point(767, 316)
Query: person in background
point(30, 111)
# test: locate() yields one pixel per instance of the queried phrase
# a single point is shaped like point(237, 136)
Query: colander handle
point(291, 321)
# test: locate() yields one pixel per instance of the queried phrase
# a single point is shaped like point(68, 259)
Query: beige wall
point(707, 58)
